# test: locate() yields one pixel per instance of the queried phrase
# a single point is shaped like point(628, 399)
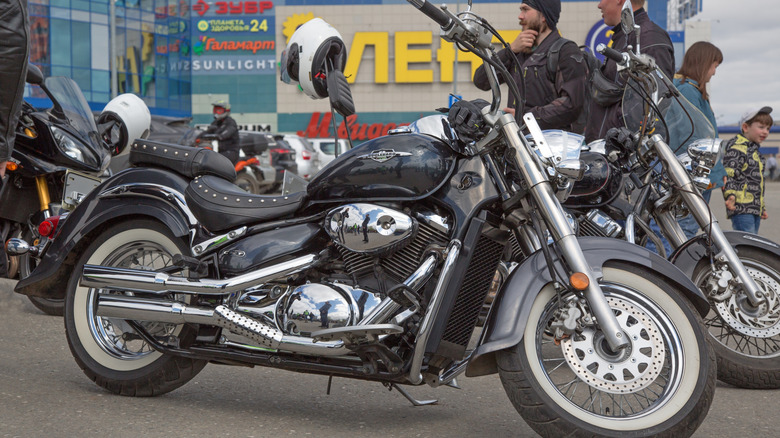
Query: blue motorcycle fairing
point(506, 323)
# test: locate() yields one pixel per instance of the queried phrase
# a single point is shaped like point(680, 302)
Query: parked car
point(306, 157)
point(282, 157)
point(326, 148)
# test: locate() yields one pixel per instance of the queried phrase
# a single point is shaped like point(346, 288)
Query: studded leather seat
point(184, 160)
point(219, 205)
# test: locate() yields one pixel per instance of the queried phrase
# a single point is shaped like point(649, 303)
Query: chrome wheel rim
point(749, 331)
point(642, 377)
point(115, 336)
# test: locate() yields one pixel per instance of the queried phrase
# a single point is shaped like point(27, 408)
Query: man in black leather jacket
point(224, 129)
point(654, 41)
point(557, 103)
point(14, 39)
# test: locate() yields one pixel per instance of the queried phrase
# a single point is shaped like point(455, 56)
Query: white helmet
point(127, 118)
point(314, 49)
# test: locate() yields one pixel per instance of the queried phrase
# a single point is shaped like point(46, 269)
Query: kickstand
point(409, 397)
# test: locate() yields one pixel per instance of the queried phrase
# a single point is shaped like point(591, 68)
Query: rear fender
point(505, 325)
point(691, 252)
point(137, 192)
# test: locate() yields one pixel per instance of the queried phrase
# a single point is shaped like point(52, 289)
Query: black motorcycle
point(61, 154)
point(378, 271)
point(57, 160)
point(634, 176)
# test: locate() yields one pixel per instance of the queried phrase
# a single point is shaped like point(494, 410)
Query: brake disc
point(628, 370)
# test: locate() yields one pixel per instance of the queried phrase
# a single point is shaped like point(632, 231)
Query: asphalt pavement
point(43, 393)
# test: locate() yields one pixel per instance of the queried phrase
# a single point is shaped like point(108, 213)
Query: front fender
point(691, 252)
point(132, 193)
point(506, 323)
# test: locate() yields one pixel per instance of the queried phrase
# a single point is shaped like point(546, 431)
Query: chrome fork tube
point(705, 218)
point(552, 213)
point(453, 251)
point(671, 229)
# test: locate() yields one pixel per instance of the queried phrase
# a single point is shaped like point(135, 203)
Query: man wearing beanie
point(605, 111)
point(555, 98)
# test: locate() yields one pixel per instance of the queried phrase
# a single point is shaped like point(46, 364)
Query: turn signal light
point(49, 226)
point(579, 281)
point(11, 166)
point(306, 155)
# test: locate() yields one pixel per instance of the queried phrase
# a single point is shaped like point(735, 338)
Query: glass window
point(60, 42)
point(81, 48)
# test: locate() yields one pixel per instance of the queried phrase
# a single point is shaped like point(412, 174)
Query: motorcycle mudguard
point(505, 325)
point(691, 252)
point(137, 192)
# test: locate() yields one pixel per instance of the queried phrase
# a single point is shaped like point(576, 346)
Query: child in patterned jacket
point(744, 189)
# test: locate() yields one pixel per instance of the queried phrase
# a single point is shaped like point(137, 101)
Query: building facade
point(181, 55)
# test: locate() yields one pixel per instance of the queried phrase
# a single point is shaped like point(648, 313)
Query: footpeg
point(196, 268)
point(356, 334)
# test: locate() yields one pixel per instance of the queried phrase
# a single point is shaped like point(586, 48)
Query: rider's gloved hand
point(465, 118)
point(618, 141)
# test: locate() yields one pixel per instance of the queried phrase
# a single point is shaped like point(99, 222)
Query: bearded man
point(555, 98)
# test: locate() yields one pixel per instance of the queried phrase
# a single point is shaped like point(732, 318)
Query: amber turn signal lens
point(579, 281)
point(11, 166)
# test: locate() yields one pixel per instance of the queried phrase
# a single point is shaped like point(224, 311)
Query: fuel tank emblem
point(382, 155)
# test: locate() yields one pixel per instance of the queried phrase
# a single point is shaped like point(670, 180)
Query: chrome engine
point(398, 238)
point(369, 229)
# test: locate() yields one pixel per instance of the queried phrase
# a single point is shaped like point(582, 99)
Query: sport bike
point(60, 155)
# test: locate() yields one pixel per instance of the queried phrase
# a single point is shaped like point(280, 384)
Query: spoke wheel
point(108, 350)
point(662, 383)
point(747, 338)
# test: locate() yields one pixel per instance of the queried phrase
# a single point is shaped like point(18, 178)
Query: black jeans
point(14, 41)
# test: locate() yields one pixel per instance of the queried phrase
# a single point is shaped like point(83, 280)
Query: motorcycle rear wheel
point(747, 339)
point(661, 385)
point(107, 349)
point(247, 182)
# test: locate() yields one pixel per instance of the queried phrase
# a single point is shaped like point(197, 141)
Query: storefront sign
point(254, 25)
point(232, 8)
point(228, 65)
point(206, 44)
point(318, 128)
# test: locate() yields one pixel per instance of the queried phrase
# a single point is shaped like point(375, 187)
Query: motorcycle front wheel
point(747, 338)
point(108, 350)
point(662, 384)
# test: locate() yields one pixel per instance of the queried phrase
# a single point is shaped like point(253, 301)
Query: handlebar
point(433, 12)
point(609, 52)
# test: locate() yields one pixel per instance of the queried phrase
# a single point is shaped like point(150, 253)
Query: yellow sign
point(414, 53)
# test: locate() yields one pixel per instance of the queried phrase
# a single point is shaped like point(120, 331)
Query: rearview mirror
point(627, 18)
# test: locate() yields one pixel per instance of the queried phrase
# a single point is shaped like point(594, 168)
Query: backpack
point(591, 64)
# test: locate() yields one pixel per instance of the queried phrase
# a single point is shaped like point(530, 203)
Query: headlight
point(707, 151)
point(73, 148)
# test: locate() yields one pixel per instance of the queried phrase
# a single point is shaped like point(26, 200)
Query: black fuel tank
point(273, 246)
point(600, 183)
point(394, 167)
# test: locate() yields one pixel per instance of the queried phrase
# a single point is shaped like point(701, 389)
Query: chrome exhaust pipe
point(137, 280)
point(149, 309)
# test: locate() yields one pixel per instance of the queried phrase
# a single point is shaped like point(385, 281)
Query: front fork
point(550, 209)
point(704, 217)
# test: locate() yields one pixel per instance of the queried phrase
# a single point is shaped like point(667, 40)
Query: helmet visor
point(219, 110)
point(288, 67)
